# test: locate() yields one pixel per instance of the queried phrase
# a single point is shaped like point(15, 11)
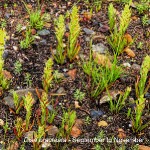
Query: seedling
point(19, 129)
point(117, 40)
point(26, 43)
point(116, 106)
point(59, 32)
point(78, 95)
point(17, 102)
point(136, 116)
point(28, 102)
point(43, 104)
point(140, 45)
point(74, 31)
point(28, 80)
point(47, 76)
point(6, 128)
point(4, 82)
point(142, 6)
point(145, 20)
point(68, 120)
point(18, 67)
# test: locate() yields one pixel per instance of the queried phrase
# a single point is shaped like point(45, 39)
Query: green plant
point(68, 120)
point(116, 39)
point(87, 120)
point(47, 76)
point(57, 76)
point(140, 84)
point(140, 45)
point(19, 127)
point(142, 6)
point(116, 106)
point(78, 95)
point(3, 24)
point(43, 104)
point(36, 18)
point(51, 116)
point(17, 102)
point(28, 102)
point(74, 31)
point(59, 32)
point(18, 27)
point(4, 81)
point(26, 43)
point(94, 4)
point(18, 67)
point(102, 77)
point(145, 20)
point(28, 80)
point(136, 116)
point(6, 127)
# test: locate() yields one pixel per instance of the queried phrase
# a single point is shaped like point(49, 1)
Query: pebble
point(5, 54)
point(126, 65)
point(100, 48)
point(65, 70)
point(95, 114)
point(147, 95)
point(60, 90)
point(1, 122)
point(43, 42)
point(88, 31)
point(7, 15)
point(29, 135)
point(9, 99)
point(136, 67)
point(53, 130)
point(50, 107)
point(46, 144)
point(15, 48)
point(43, 32)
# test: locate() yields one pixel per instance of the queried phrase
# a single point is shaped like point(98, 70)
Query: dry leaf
point(129, 52)
point(72, 73)
point(1, 122)
point(76, 103)
point(47, 25)
point(134, 18)
point(29, 6)
point(7, 74)
point(1, 91)
point(75, 132)
point(102, 59)
point(121, 134)
point(33, 31)
point(128, 37)
point(102, 124)
point(143, 147)
point(52, 130)
point(78, 123)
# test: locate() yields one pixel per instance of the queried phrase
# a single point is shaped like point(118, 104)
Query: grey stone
point(53, 130)
point(126, 65)
point(88, 31)
point(100, 48)
point(95, 114)
point(5, 54)
point(43, 32)
point(60, 90)
point(50, 107)
point(43, 42)
point(136, 67)
point(9, 99)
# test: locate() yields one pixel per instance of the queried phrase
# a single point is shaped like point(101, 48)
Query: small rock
point(136, 67)
point(65, 70)
point(46, 144)
point(52, 130)
point(43, 32)
point(88, 31)
point(87, 39)
point(43, 42)
point(60, 90)
point(5, 54)
point(15, 48)
point(7, 15)
point(9, 99)
point(126, 65)
point(95, 114)
point(102, 124)
point(147, 95)
point(50, 107)
point(30, 135)
point(100, 48)
point(1, 122)
point(104, 29)
point(106, 97)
